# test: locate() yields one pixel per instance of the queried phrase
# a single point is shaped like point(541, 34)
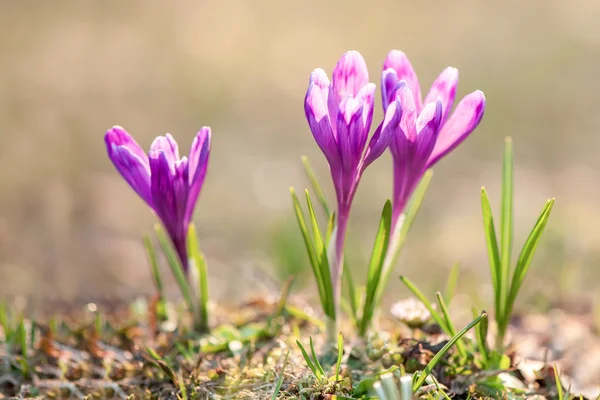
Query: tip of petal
point(394, 58)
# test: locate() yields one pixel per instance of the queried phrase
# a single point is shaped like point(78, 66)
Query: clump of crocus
point(168, 183)
point(423, 131)
point(340, 114)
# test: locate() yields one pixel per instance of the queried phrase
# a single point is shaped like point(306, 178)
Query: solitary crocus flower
point(423, 131)
point(339, 114)
point(168, 184)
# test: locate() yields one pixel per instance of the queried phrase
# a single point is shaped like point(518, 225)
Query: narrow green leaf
point(315, 185)
point(153, 260)
point(434, 314)
point(506, 219)
point(281, 377)
point(312, 256)
point(460, 346)
point(338, 364)
point(375, 270)
point(436, 359)
point(398, 238)
point(526, 256)
point(175, 265)
point(199, 263)
point(315, 359)
point(22, 337)
point(308, 361)
point(481, 335)
point(351, 293)
point(330, 227)
point(4, 321)
point(323, 262)
point(559, 389)
point(182, 388)
point(451, 283)
point(493, 253)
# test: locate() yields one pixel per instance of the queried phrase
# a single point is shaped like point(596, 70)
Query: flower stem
point(337, 269)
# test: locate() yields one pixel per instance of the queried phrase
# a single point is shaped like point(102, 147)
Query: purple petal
point(168, 145)
point(428, 125)
point(350, 133)
point(404, 95)
point(198, 163)
point(317, 115)
point(130, 160)
point(389, 86)
point(384, 134)
point(462, 122)
point(366, 96)
point(398, 61)
point(170, 192)
point(349, 75)
point(444, 89)
point(120, 137)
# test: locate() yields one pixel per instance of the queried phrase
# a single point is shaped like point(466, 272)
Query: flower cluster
point(339, 113)
point(418, 132)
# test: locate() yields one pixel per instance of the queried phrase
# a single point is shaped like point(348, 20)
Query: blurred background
point(70, 226)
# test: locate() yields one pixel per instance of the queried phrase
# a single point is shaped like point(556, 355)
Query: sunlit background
point(70, 227)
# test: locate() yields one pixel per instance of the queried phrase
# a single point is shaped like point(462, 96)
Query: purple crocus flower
point(340, 114)
point(170, 185)
point(423, 131)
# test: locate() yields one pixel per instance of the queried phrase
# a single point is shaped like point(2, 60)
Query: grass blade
point(310, 249)
point(175, 265)
point(281, 377)
point(199, 262)
point(434, 314)
point(376, 267)
point(493, 252)
point(315, 185)
point(436, 359)
point(460, 346)
point(506, 218)
point(323, 261)
point(397, 239)
point(526, 256)
point(481, 331)
point(315, 359)
point(338, 364)
point(153, 260)
point(351, 293)
point(451, 283)
point(4, 321)
point(559, 389)
point(309, 362)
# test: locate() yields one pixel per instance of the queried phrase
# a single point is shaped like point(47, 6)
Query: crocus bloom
point(170, 185)
point(339, 114)
point(423, 131)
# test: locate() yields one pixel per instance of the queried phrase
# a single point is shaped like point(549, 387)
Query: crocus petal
point(168, 145)
point(317, 115)
point(349, 75)
point(350, 131)
point(389, 85)
point(170, 192)
point(398, 61)
point(197, 165)
point(120, 137)
point(404, 95)
point(366, 96)
point(427, 125)
point(444, 89)
point(384, 134)
point(461, 123)
point(131, 162)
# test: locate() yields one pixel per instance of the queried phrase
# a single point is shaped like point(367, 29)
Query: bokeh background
point(70, 227)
